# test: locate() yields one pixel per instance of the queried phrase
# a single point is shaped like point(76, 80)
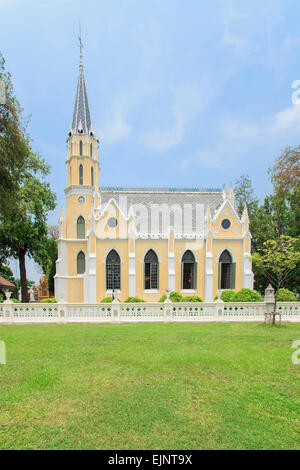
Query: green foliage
point(46, 257)
point(51, 300)
point(14, 143)
point(285, 295)
point(246, 295)
point(174, 296)
point(226, 295)
point(1, 298)
point(134, 299)
point(277, 260)
point(107, 300)
point(192, 298)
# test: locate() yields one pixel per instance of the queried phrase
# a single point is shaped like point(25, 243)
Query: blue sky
point(182, 93)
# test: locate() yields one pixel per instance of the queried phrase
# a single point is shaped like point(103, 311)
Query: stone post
point(7, 295)
point(219, 305)
point(167, 305)
point(269, 301)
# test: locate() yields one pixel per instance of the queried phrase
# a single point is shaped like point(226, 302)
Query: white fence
point(143, 312)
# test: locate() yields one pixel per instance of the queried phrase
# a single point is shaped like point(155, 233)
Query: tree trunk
point(24, 288)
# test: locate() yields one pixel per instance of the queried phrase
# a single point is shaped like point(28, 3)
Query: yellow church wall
point(73, 249)
point(119, 232)
point(75, 290)
point(235, 247)
point(161, 249)
point(233, 232)
point(103, 247)
point(87, 163)
point(197, 247)
point(73, 211)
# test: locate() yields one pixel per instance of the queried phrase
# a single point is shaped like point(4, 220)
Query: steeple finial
point(80, 48)
point(81, 123)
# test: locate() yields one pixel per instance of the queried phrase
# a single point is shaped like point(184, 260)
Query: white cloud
point(189, 100)
point(117, 128)
point(287, 119)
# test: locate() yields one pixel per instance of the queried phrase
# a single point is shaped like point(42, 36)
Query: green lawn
point(150, 386)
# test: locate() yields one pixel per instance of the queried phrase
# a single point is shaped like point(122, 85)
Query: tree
point(277, 260)
point(47, 259)
point(14, 148)
point(244, 195)
point(23, 231)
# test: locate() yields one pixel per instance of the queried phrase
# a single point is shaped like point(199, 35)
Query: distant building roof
point(5, 283)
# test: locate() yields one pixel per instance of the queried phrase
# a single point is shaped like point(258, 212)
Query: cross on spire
point(80, 47)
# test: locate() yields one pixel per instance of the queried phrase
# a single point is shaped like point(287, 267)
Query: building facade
point(142, 241)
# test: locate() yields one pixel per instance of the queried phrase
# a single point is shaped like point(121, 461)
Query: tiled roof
point(5, 283)
point(175, 196)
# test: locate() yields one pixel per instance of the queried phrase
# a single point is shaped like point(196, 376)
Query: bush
point(107, 300)
point(285, 295)
point(174, 296)
point(51, 300)
point(227, 295)
point(15, 301)
point(192, 298)
point(246, 295)
point(134, 299)
point(1, 298)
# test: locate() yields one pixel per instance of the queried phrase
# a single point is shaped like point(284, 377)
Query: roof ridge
point(160, 189)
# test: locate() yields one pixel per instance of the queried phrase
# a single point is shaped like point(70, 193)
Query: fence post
point(62, 312)
point(269, 301)
point(167, 304)
point(116, 310)
point(219, 307)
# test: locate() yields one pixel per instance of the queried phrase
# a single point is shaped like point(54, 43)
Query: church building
point(143, 241)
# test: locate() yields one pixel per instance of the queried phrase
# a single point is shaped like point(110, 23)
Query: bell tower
point(82, 159)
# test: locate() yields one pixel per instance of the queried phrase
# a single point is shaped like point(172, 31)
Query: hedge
point(174, 296)
point(246, 295)
point(134, 299)
point(192, 298)
point(227, 295)
point(107, 300)
point(51, 300)
point(285, 295)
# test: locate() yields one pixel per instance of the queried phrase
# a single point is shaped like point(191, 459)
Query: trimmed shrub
point(15, 301)
point(51, 300)
point(246, 295)
point(192, 298)
point(227, 295)
point(1, 298)
point(174, 296)
point(285, 295)
point(134, 299)
point(108, 299)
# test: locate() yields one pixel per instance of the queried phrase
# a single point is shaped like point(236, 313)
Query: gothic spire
point(81, 118)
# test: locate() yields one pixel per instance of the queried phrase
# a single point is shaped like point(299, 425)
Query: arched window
point(80, 263)
point(188, 271)
point(151, 270)
point(92, 176)
point(80, 227)
point(80, 174)
point(91, 150)
point(70, 175)
point(80, 147)
point(226, 275)
point(113, 271)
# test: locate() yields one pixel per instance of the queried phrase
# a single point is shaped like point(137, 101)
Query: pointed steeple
point(81, 123)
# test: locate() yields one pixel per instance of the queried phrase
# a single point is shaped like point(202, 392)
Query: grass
point(149, 386)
